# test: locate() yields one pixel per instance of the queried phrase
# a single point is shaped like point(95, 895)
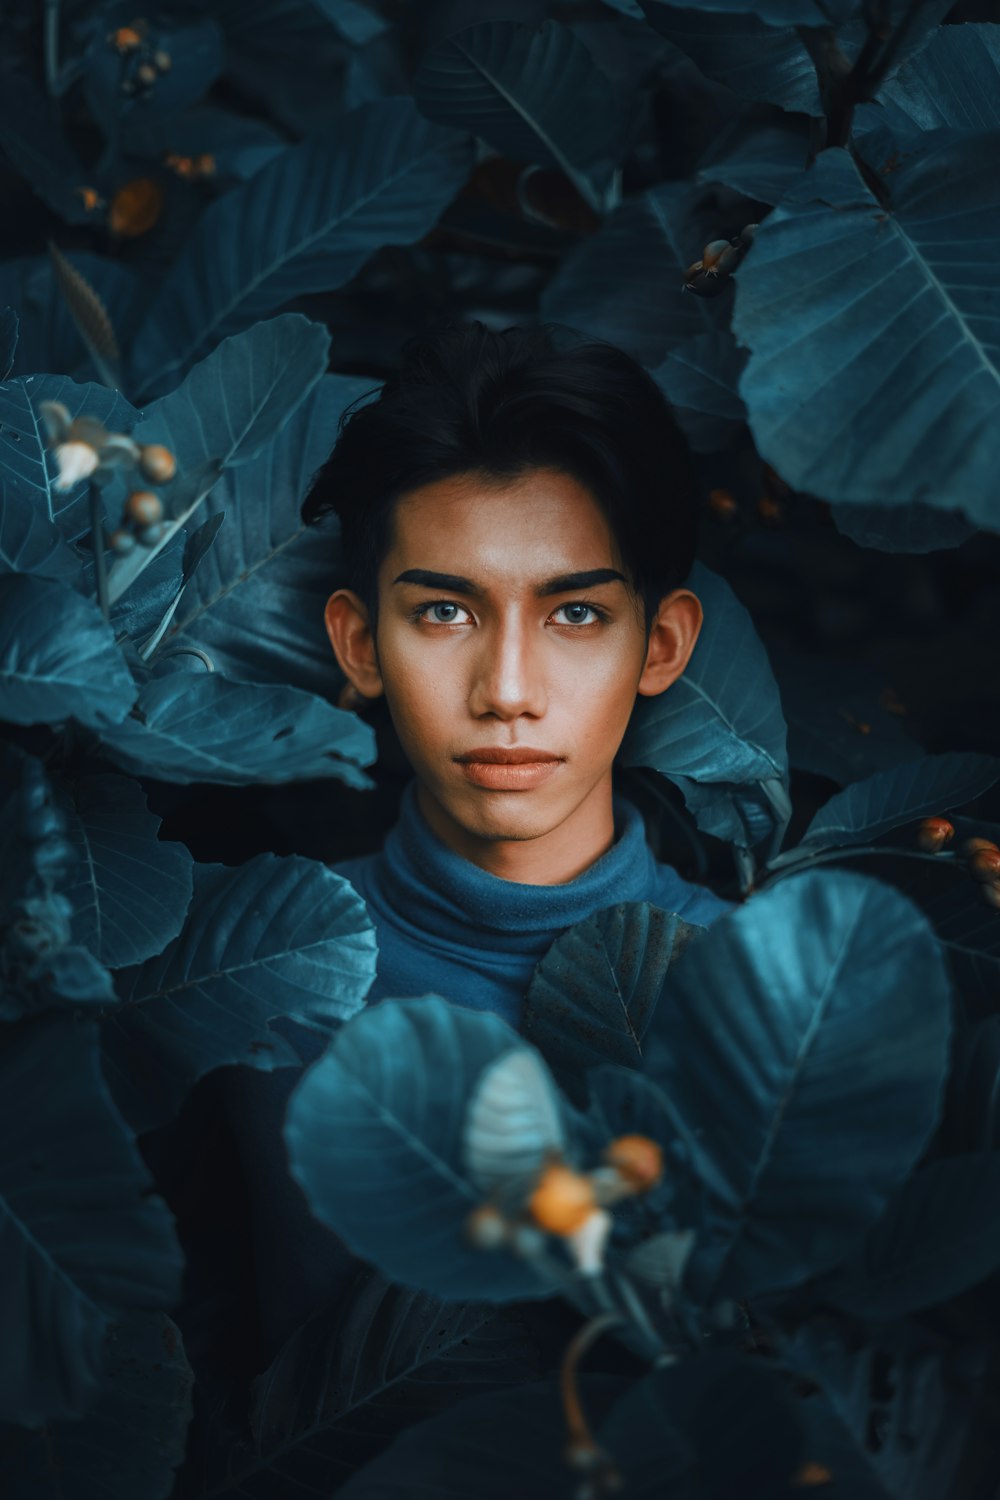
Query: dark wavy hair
point(467, 399)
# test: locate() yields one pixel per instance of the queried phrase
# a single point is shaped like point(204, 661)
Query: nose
point(508, 672)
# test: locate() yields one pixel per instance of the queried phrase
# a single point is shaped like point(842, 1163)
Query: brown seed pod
point(156, 463)
point(971, 845)
point(933, 834)
point(143, 508)
point(563, 1200)
point(985, 865)
point(636, 1158)
point(135, 208)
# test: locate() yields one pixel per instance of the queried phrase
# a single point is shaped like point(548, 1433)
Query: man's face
point(480, 658)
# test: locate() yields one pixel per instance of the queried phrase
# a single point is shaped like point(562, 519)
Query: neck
point(551, 858)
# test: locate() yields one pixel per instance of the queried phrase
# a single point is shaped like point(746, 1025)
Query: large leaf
point(939, 1235)
point(380, 175)
point(759, 161)
point(130, 891)
point(519, 86)
point(27, 464)
point(273, 937)
point(8, 340)
point(699, 378)
point(804, 1049)
point(31, 543)
point(718, 731)
point(494, 1447)
point(374, 1134)
point(915, 789)
point(891, 528)
point(256, 603)
point(58, 657)
point(202, 727)
point(81, 1236)
point(382, 1359)
point(593, 994)
point(133, 1438)
point(954, 81)
point(194, 48)
point(843, 301)
point(626, 282)
point(33, 141)
point(968, 926)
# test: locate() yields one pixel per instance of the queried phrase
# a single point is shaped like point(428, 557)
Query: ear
point(346, 619)
point(672, 639)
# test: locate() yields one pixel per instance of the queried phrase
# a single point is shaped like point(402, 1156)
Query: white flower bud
point(76, 461)
point(586, 1244)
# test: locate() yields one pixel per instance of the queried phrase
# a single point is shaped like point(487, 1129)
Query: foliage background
point(263, 222)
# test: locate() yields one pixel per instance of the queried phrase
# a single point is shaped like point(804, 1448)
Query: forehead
point(537, 524)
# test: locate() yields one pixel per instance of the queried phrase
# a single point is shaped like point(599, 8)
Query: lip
point(509, 776)
point(512, 755)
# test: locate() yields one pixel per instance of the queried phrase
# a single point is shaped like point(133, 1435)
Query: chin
point(507, 815)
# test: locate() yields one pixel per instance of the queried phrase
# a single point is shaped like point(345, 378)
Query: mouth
point(511, 770)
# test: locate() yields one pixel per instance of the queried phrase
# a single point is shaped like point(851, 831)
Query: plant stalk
point(97, 539)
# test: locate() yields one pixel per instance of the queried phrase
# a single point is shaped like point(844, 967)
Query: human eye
point(584, 604)
point(421, 611)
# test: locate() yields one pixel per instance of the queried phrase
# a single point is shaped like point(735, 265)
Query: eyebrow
point(562, 583)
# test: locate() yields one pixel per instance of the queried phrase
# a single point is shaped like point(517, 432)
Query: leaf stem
point(97, 541)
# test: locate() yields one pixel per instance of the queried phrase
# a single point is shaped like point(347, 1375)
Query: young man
point(517, 520)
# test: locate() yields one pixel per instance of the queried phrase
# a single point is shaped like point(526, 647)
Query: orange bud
point(933, 834)
point(638, 1159)
point(156, 463)
point(125, 39)
point(205, 164)
point(891, 702)
point(143, 508)
point(768, 509)
point(971, 845)
point(135, 207)
point(722, 503)
point(812, 1474)
point(91, 198)
point(563, 1200)
point(985, 865)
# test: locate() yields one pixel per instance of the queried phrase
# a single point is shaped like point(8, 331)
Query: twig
point(97, 540)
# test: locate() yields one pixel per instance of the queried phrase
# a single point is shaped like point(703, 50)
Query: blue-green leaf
point(130, 1442)
point(130, 890)
point(256, 604)
point(762, 162)
point(519, 86)
point(48, 338)
point(58, 657)
point(380, 175)
point(374, 1133)
point(81, 1235)
point(893, 528)
point(699, 377)
point(740, 51)
point(718, 731)
point(196, 58)
point(8, 340)
point(841, 300)
point(28, 465)
point(626, 282)
point(954, 81)
point(202, 727)
point(273, 937)
point(916, 789)
point(939, 1235)
point(593, 994)
point(39, 148)
point(31, 543)
point(804, 1049)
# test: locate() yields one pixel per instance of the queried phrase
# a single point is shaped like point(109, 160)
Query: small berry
point(486, 1227)
point(135, 207)
point(638, 1159)
point(810, 1474)
point(121, 542)
point(971, 845)
point(723, 504)
point(146, 74)
point(143, 508)
point(156, 463)
point(205, 164)
point(125, 39)
point(933, 834)
point(985, 865)
point(148, 536)
point(162, 60)
point(563, 1200)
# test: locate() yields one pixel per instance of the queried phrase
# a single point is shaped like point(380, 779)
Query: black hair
point(467, 399)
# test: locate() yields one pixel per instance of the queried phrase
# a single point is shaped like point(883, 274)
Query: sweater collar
point(430, 887)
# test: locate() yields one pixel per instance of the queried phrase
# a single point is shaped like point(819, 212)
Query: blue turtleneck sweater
point(443, 926)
